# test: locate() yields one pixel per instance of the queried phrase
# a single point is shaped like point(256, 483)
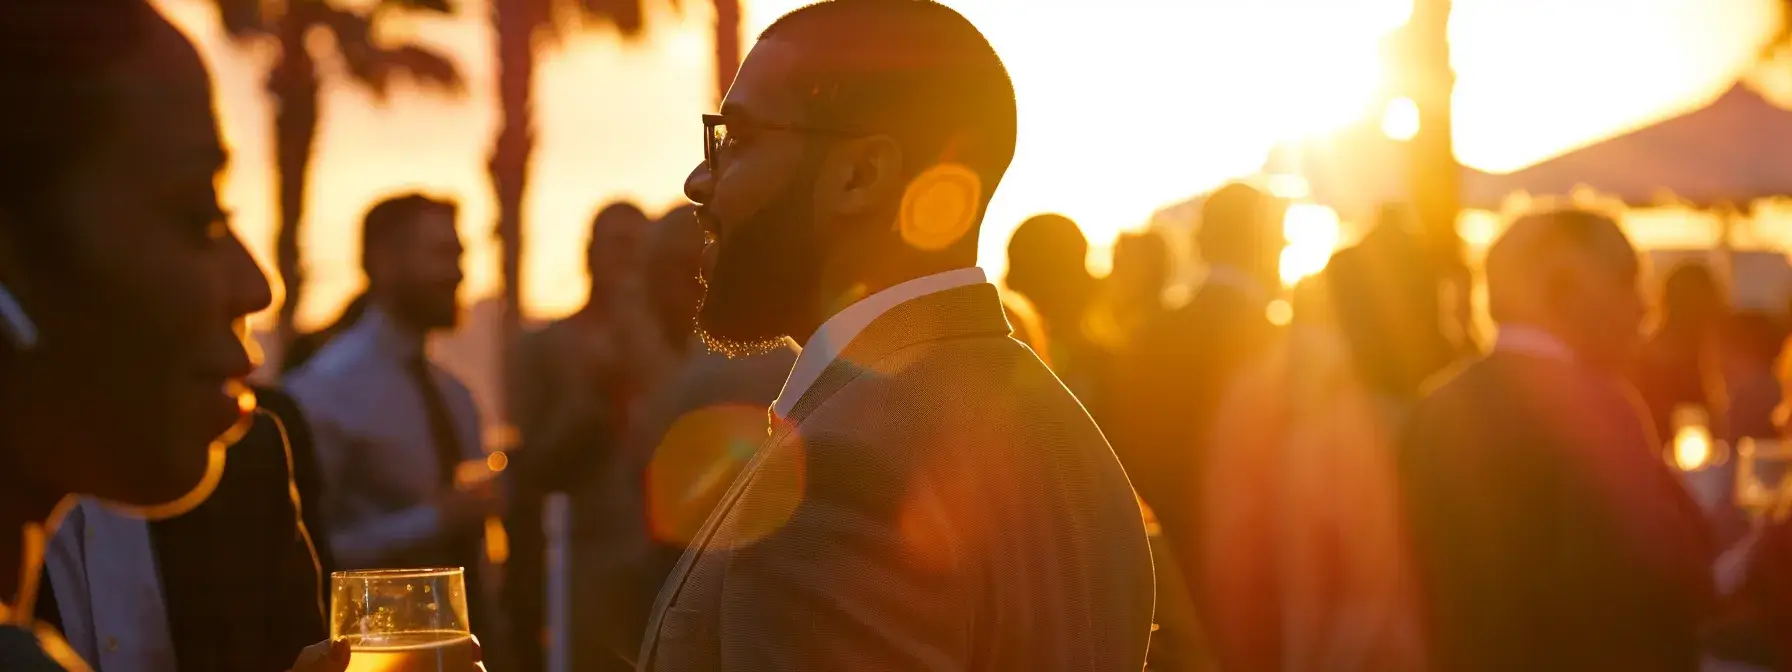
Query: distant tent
point(1733, 151)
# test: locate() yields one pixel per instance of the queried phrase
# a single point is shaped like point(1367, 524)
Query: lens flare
point(1400, 121)
point(940, 206)
point(694, 464)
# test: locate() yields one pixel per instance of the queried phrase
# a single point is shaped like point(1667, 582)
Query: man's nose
point(700, 185)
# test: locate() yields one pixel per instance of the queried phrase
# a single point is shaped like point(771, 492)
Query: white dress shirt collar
point(384, 334)
point(108, 590)
point(1524, 339)
point(833, 336)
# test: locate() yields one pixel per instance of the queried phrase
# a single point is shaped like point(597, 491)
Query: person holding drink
point(391, 428)
point(109, 226)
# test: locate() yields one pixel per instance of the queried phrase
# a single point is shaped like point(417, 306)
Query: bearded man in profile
point(930, 497)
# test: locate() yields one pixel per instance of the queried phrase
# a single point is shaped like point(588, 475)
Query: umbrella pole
point(1726, 249)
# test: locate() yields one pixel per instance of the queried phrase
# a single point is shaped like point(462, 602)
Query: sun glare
point(1312, 232)
point(1400, 120)
point(1126, 106)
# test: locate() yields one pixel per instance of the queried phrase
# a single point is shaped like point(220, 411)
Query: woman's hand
point(324, 656)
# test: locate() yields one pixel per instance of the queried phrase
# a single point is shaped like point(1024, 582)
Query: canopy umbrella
point(1732, 151)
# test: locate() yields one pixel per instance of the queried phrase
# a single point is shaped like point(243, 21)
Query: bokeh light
point(1400, 120)
point(1313, 232)
point(697, 459)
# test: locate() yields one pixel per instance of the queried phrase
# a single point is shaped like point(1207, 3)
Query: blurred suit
point(1173, 381)
point(1768, 587)
point(1548, 532)
point(934, 500)
point(240, 586)
point(569, 417)
point(696, 432)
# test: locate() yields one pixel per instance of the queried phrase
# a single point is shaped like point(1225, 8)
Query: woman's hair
point(54, 55)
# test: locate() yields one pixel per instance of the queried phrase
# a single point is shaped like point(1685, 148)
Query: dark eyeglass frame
point(712, 140)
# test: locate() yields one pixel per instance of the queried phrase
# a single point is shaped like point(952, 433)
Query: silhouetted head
point(1573, 273)
point(674, 252)
point(1386, 304)
point(113, 240)
point(1047, 263)
point(1691, 300)
point(1141, 265)
point(857, 149)
point(411, 253)
point(613, 255)
point(1241, 228)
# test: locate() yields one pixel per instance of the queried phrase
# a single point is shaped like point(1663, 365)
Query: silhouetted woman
point(123, 283)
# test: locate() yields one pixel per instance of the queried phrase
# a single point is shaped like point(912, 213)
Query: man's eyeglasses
point(716, 137)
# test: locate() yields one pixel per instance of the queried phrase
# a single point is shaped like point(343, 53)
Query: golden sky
point(1124, 109)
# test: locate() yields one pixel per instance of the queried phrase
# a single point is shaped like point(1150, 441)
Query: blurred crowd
point(1338, 473)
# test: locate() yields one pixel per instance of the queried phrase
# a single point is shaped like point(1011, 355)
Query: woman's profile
point(121, 366)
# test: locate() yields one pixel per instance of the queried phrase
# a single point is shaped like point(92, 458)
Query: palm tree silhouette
point(523, 26)
point(1430, 83)
point(295, 82)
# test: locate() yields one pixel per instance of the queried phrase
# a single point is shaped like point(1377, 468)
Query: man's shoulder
point(1493, 400)
point(337, 362)
point(984, 373)
point(335, 384)
point(992, 393)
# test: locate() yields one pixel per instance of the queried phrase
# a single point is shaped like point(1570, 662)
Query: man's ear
point(865, 175)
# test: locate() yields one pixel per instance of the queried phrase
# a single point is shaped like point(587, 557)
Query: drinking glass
point(402, 620)
point(1692, 448)
point(1764, 477)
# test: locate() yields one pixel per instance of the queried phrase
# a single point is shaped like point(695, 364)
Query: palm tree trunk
point(509, 165)
point(515, 22)
point(1435, 174)
point(727, 45)
point(294, 86)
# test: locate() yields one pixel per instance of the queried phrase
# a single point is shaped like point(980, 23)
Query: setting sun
point(1126, 106)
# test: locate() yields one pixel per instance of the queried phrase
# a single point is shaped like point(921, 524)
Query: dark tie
point(441, 423)
point(448, 456)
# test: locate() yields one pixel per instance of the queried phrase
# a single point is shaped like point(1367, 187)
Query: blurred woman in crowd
point(1306, 551)
point(122, 288)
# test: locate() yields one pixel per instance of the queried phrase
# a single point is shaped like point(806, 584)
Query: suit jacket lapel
point(675, 581)
point(974, 310)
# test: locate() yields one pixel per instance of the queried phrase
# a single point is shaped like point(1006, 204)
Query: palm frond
point(375, 66)
point(428, 68)
point(1782, 34)
point(441, 6)
point(628, 16)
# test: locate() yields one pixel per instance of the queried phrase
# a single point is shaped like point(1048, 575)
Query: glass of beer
point(402, 620)
point(1764, 477)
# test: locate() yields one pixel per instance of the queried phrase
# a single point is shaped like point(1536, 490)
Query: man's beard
point(764, 279)
point(429, 308)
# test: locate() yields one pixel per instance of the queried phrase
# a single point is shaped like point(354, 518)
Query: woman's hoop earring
point(15, 326)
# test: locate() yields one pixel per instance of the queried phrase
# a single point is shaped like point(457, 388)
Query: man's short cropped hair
point(914, 69)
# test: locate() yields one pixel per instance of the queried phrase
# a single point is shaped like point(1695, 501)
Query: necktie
point(448, 456)
point(441, 423)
